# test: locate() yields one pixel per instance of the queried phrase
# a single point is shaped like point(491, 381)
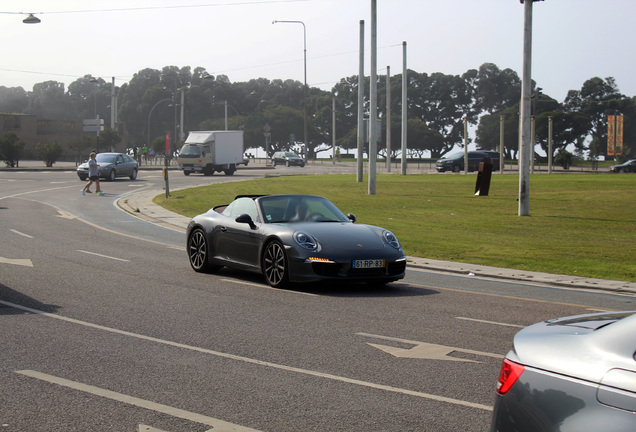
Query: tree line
point(150, 104)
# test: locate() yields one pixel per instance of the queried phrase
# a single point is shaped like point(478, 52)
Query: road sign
point(93, 122)
point(93, 128)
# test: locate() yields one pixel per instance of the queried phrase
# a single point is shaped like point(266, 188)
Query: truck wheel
point(229, 172)
point(208, 170)
point(187, 173)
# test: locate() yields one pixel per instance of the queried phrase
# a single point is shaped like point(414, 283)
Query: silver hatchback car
point(111, 166)
point(575, 373)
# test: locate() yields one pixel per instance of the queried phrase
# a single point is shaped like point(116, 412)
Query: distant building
point(32, 131)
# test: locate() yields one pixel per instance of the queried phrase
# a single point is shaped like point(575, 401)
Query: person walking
point(93, 176)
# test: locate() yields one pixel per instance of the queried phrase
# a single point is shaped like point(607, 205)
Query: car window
point(241, 206)
point(300, 208)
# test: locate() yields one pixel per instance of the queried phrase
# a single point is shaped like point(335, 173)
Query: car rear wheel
point(198, 251)
point(112, 175)
point(133, 176)
point(275, 265)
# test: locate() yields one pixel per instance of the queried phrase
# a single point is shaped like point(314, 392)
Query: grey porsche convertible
point(293, 238)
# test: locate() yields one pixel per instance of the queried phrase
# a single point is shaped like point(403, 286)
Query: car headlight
point(391, 239)
point(305, 240)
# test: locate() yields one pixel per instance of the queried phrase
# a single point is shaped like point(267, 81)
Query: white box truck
point(209, 151)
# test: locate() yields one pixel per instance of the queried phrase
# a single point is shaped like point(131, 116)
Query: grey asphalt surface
point(140, 204)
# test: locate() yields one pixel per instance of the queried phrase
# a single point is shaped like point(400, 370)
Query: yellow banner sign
point(611, 141)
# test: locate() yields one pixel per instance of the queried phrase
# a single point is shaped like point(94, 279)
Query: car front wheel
point(275, 265)
point(112, 175)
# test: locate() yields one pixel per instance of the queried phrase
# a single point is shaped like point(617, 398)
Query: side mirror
point(245, 218)
point(352, 217)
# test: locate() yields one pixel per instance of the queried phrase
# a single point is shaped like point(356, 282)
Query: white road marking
point(218, 425)
point(21, 262)
point(21, 233)
point(65, 215)
point(256, 361)
point(425, 350)
point(103, 256)
point(490, 322)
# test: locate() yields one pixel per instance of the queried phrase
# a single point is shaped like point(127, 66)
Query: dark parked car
point(111, 166)
point(495, 157)
point(455, 162)
point(570, 374)
point(625, 167)
point(293, 238)
point(287, 158)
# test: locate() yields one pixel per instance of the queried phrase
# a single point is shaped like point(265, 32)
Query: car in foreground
point(291, 239)
point(575, 373)
point(455, 162)
point(288, 159)
point(111, 166)
point(625, 167)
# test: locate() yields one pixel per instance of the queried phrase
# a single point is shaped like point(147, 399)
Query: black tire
point(456, 168)
point(133, 176)
point(82, 178)
point(112, 175)
point(229, 172)
point(186, 173)
point(198, 251)
point(275, 267)
point(208, 170)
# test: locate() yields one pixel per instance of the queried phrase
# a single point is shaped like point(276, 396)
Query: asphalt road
point(106, 328)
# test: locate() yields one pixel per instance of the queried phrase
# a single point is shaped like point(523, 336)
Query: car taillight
point(509, 374)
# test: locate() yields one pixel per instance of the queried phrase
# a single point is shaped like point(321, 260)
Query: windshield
point(300, 208)
point(291, 155)
point(105, 158)
point(190, 150)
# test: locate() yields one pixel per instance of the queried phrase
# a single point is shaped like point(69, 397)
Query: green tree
point(79, 146)
point(11, 147)
point(49, 153)
point(109, 138)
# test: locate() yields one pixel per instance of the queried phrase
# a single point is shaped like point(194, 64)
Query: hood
point(347, 237)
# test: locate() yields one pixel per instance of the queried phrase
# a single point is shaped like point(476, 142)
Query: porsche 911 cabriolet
point(291, 239)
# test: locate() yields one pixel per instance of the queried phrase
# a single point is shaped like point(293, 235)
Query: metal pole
point(360, 160)
point(524, 127)
point(404, 108)
point(305, 125)
point(181, 133)
point(373, 143)
point(388, 119)
point(225, 115)
point(465, 145)
point(501, 144)
point(550, 144)
point(333, 129)
point(112, 106)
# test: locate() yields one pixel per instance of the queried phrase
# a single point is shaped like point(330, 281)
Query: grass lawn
point(579, 224)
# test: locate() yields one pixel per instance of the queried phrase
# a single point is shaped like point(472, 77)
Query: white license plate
point(373, 263)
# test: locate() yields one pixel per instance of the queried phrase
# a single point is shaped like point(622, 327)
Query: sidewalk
point(140, 204)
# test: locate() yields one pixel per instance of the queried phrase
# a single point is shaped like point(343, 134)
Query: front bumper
point(306, 270)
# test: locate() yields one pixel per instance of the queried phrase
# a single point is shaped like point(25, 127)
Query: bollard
point(483, 177)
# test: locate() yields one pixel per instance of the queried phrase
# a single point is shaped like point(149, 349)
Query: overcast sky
point(573, 40)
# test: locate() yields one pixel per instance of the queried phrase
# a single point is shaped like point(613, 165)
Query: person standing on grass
point(93, 176)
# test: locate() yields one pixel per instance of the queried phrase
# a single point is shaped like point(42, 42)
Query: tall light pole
point(524, 118)
point(305, 126)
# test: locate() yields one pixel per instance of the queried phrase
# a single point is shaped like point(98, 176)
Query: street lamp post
point(150, 113)
point(305, 126)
